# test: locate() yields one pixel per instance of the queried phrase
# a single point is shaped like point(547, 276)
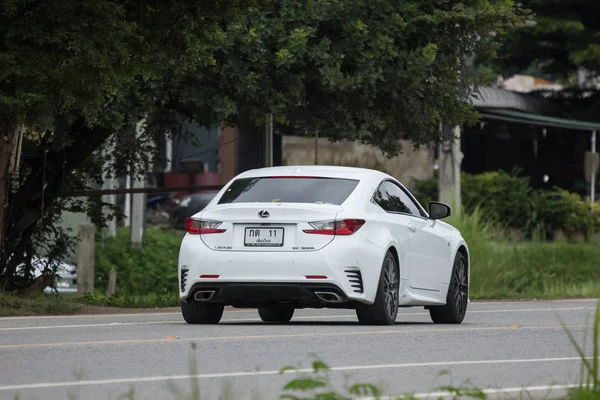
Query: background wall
point(406, 167)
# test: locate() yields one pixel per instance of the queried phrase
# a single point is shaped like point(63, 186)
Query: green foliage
point(426, 190)
point(508, 202)
point(351, 69)
point(560, 39)
point(42, 304)
point(504, 197)
point(124, 300)
point(74, 73)
point(150, 269)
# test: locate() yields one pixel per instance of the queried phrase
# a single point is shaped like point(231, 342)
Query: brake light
point(344, 227)
point(201, 227)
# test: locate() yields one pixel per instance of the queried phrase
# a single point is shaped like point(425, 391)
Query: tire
point(385, 308)
point(456, 300)
point(276, 314)
point(197, 312)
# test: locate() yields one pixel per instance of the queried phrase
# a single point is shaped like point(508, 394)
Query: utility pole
point(138, 200)
point(268, 142)
point(594, 167)
point(316, 147)
point(108, 183)
point(450, 158)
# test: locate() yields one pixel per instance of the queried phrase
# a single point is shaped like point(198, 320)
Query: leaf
point(305, 384)
point(319, 366)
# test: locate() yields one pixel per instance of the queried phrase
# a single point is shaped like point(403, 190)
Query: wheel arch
point(462, 248)
point(392, 249)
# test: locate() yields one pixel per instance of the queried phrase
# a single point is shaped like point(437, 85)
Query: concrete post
point(86, 258)
point(450, 158)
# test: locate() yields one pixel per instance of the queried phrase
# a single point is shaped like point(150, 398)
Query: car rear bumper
point(253, 295)
point(348, 266)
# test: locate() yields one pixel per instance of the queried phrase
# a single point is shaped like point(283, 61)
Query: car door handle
point(412, 228)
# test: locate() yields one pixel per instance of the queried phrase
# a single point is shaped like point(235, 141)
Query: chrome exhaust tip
point(204, 295)
point(329, 297)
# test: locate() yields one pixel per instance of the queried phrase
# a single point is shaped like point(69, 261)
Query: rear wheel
point(385, 308)
point(456, 301)
point(197, 312)
point(276, 314)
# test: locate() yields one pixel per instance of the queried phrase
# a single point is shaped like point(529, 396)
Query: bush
point(508, 201)
point(504, 198)
point(150, 269)
point(426, 190)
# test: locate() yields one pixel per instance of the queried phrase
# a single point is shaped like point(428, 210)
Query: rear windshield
point(289, 190)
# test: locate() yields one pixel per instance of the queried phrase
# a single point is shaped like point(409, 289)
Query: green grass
point(14, 305)
point(504, 269)
point(151, 300)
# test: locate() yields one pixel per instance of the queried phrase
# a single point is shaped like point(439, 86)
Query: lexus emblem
point(264, 214)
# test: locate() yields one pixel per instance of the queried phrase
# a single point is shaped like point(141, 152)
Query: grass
point(52, 304)
point(13, 305)
point(504, 269)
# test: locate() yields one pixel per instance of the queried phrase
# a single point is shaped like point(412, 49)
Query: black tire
point(456, 301)
point(197, 312)
point(276, 314)
point(384, 310)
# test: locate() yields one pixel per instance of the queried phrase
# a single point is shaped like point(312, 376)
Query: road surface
point(503, 345)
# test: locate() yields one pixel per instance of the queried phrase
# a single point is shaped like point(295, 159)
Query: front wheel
point(458, 293)
point(385, 308)
point(197, 312)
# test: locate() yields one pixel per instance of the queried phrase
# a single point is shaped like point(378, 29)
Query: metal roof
point(536, 119)
point(491, 97)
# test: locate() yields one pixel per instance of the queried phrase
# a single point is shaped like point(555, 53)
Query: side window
point(393, 199)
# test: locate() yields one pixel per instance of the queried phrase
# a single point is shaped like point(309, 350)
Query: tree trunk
point(8, 143)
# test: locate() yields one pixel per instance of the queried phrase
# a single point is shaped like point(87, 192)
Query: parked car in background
point(66, 279)
point(190, 205)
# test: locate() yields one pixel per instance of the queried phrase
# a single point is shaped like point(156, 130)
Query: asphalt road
point(508, 345)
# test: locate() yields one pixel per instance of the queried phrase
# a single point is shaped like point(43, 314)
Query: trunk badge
point(264, 214)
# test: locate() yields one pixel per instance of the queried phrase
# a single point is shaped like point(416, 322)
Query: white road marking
point(150, 313)
point(525, 389)
point(302, 317)
point(47, 385)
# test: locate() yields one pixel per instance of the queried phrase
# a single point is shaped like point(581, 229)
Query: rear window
point(289, 190)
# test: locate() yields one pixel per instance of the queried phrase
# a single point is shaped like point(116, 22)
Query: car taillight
point(343, 227)
point(201, 227)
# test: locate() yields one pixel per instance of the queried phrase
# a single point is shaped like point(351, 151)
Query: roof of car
point(333, 171)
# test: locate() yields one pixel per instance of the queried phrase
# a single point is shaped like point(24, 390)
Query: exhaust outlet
point(329, 297)
point(204, 295)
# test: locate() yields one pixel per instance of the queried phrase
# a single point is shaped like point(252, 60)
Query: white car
point(285, 238)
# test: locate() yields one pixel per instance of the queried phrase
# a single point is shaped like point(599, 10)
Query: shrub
point(149, 269)
point(426, 190)
point(507, 200)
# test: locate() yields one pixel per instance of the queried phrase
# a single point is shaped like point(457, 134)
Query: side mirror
point(439, 210)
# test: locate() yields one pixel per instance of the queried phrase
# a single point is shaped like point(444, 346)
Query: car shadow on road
point(316, 323)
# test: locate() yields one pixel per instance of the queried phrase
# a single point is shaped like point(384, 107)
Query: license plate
point(263, 237)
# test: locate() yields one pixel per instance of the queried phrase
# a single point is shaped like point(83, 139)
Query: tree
point(354, 69)
point(561, 40)
point(73, 73)
point(80, 73)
